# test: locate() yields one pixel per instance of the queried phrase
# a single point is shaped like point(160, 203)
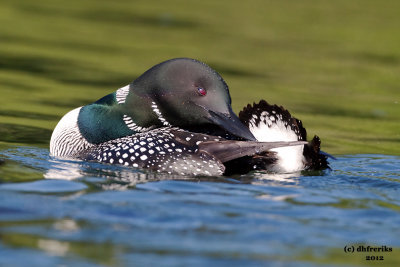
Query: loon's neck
point(116, 115)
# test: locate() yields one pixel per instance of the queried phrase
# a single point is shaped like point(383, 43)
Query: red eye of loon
point(201, 91)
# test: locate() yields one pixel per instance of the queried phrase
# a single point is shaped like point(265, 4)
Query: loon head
point(181, 92)
point(187, 93)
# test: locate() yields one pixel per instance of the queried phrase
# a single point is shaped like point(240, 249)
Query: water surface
point(57, 212)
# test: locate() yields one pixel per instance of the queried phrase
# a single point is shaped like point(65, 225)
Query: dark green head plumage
point(180, 92)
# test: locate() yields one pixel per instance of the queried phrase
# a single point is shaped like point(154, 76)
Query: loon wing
point(174, 150)
point(228, 150)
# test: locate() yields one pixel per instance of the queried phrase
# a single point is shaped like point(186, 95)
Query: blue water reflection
point(93, 214)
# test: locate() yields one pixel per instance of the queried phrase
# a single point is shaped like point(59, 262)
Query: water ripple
point(134, 216)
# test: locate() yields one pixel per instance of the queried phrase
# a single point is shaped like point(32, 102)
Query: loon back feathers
point(174, 150)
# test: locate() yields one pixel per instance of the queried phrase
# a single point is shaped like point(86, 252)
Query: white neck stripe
point(159, 115)
point(133, 126)
point(121, 94)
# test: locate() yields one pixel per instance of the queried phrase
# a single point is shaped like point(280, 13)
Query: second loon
point(177, 118)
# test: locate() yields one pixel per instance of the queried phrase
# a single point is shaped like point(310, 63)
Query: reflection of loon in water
point(114, 177)
point(177, 118)
point(105, 176)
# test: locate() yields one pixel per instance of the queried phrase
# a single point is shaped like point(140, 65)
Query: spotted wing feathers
point(173, 150)
point(168, 150)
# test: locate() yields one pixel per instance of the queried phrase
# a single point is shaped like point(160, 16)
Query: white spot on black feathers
point(166, 152)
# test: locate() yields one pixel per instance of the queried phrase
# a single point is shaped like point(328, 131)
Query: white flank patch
point(290, 159)
point(121, 94)
point(66, 139)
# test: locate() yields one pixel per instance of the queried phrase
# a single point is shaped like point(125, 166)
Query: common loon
point(177, 118)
